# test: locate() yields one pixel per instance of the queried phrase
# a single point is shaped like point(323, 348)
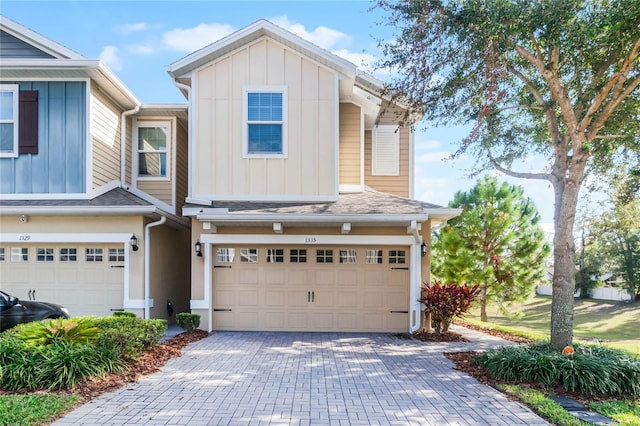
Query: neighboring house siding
point(128, 150)
point(59, 167)
point(309, 169)
point(159, 188)
point(350, 146)
point(398, 185)
point(12, 47)
point(105, 135)
point(182, 165)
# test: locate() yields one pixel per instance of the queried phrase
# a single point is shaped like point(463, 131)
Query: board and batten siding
point(59, 165)
point(309, 169)
point(397, 185)
point(13, 47)
point(105, 135)
point(350, 146)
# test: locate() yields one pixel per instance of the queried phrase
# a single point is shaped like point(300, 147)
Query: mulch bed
point(150, 362)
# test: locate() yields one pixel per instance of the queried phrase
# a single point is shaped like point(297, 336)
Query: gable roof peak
point(260, 28)
point(37, 40)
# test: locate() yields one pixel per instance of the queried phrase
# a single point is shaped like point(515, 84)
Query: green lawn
point(618, 324)
point(33, 409)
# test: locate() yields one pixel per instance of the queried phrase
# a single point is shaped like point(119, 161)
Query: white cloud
point(322, 36)
point(364, 61)
point(433, 157)
point(130, 28)
point(192, 39)
point(427, 144)
point(139, 49)
point(110, 57)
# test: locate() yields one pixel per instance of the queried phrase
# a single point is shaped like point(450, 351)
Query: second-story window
point(152, 144)
point(265, 122)
point(9, 120)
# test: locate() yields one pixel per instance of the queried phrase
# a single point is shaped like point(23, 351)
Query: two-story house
point(92, 184)
point(300, 190)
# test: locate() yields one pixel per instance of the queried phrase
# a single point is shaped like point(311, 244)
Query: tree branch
point(509, 172)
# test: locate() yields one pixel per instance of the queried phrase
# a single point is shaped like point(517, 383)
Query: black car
point(14, 311)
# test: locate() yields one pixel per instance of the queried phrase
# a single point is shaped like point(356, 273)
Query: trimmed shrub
point(127, 336)
point(76, 330)
point(446, 301)
point(124, 314)
point(188, 321)
point(591, 370)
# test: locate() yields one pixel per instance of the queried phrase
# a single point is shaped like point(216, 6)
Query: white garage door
point(88, 279)
point(323, 288)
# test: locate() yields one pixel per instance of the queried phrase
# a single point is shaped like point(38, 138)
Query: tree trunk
point(483, 304)
point(566, 199)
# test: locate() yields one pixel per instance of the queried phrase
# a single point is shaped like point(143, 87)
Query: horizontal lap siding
point(182, 165)
point(398, 185)
point(105, 135)
point(13, 47)
point(350, 125)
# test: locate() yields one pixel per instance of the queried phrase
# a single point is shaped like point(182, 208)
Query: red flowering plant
point(446, 301)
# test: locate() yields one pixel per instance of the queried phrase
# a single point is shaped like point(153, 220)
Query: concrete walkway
point(261, 378)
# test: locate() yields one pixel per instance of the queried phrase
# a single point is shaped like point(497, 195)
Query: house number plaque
point(310, 240)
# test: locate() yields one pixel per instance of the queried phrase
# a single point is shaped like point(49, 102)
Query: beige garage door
point(323, 288)
point(88, 279)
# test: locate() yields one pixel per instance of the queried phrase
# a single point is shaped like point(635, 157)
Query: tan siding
point(182, 167)
point(309, 169)
point(161, 189)
point(350, 124)
point(398, 185)
point(105, 138)
point(170, 277)
point(128, 153)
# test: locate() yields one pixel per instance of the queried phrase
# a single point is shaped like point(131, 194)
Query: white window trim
point(137, 124)
point(245, 120)
point(376, 169)
point(15, 89)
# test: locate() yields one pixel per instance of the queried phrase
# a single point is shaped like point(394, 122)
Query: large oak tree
point(553, 78)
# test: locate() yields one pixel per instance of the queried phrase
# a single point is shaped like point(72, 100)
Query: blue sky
point(137, 39)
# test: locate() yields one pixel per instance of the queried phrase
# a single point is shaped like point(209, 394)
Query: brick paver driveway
point(306, 378)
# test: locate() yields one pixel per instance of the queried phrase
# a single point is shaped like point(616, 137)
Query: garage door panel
point(224, 320)
point(247, 320)
point(298, 298)
point(274, 277)
point(307, 295)
point(62, 275)
point(247, 276)
point(373, 299)
point(275, 298)
point(248, 298)
point(376, 277)
point(348, 299)
point(224, 298)
point(275, 320)
point(347, 321)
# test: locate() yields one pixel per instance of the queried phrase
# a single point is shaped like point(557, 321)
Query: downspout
point(189, 136)
point(123, 142)
point(414, 278)
point(147, 248)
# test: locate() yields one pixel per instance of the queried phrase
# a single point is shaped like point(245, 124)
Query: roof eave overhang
point(311, 219)
point(24, 69)
point(80, 211)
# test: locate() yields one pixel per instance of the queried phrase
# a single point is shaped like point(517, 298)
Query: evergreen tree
point(496, 242)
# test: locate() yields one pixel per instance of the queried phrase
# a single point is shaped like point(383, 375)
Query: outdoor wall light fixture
point(134, 242)
point(423, 249)
point(198, 248)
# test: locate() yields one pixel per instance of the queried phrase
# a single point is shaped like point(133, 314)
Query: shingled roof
point(368, 202)
point(116, 197)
